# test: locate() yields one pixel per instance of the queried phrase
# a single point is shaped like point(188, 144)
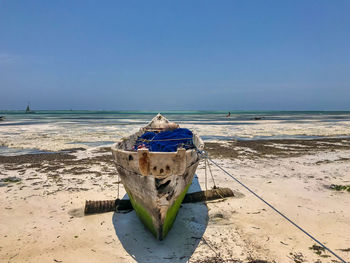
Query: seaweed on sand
point(339, 187)
point(321, 251)
point(218, 259)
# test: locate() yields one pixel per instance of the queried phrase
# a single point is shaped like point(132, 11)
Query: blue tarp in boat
point(167, 141)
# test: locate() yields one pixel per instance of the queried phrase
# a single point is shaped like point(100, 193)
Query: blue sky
point(173, 55)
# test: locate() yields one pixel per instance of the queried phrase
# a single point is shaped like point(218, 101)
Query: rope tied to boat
point(207, 164)
point(118, 199)
point(205, 155)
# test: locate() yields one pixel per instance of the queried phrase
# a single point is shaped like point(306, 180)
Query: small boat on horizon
point(157, 181)
point(28, 110)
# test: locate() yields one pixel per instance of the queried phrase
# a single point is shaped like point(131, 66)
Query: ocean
point(46, 131)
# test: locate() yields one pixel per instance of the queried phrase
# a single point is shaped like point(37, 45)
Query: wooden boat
point(156, 182)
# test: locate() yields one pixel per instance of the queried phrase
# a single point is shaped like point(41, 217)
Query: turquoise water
point(61, 115)
point(60, 130)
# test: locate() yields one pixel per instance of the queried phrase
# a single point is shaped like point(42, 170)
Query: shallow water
point(59, 130)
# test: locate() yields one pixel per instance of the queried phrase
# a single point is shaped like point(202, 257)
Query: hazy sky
point(157, 55)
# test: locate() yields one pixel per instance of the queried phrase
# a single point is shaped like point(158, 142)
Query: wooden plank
point(93, 207)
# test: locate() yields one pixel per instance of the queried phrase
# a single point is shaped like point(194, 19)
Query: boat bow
point(156, 182)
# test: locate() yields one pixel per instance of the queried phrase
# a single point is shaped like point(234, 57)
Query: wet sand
point(42, 196)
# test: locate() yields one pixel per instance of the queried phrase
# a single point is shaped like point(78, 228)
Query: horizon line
point(170, 110)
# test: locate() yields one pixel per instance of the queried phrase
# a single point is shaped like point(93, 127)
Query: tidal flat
point(42, 198)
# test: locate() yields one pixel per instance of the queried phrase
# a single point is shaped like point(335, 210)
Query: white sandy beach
point(42, 220)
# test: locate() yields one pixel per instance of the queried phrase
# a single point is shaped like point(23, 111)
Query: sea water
point(44, 131)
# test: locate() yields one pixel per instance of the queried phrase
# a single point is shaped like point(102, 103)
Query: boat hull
point(156, 182)
point(157, 199)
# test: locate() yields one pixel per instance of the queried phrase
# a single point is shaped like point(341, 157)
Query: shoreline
point(42, 212)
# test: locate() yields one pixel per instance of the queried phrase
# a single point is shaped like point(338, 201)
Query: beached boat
point(156, 182)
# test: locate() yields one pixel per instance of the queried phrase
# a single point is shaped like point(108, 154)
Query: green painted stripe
point(143, 215)
point(172, 212)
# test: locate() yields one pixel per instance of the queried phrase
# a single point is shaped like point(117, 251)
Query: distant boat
point(258, 118)
point(28, 110)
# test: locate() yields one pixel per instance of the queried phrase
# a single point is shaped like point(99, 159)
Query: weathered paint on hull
point(157, 207)
point(172, 212)
point(156, 182)
point(146, 219)
point(143, 215)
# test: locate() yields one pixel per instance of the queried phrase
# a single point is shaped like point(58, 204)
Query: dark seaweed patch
point(339, 187)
